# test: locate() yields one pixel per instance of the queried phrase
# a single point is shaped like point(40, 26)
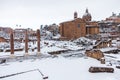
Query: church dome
point(87, 16)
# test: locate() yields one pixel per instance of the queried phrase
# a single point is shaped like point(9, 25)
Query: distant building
point(110, 26)
point(5, 34)
point(7, 30)
point(53, 29)
point(114, 18)
point(79, 27)
point(19, 34)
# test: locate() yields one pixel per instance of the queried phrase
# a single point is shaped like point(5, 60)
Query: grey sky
point(33, 13)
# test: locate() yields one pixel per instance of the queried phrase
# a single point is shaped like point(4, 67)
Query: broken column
point(12, 43)
point(102, 60)
point(38, 41)
point(26, 42)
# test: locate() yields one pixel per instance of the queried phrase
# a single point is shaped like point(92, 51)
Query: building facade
point(19, 34)
point(7, 30)
point(111, 26)
point(73, 29)
point(79, 27)
point(5, 34)
point(92, 28)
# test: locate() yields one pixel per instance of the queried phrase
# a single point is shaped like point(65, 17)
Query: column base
point(38, 53)
point(26, 54)
point(12, 56)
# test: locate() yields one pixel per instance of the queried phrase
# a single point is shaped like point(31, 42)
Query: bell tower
point(75, 15)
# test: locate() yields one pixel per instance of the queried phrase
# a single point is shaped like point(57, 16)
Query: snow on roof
point(87, 14)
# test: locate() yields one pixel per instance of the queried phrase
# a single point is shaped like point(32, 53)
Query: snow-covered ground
point(57, 69)
point(108, 49)
point(70, 65)
point(46, 47)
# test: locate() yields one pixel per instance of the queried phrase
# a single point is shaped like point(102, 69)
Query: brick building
point(73, 29)
point(92, 28)
point(79, 27)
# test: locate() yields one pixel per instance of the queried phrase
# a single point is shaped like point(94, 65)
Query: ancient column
point(102, 60)
point(12, 43)
point(26, 42)
point(38, 41)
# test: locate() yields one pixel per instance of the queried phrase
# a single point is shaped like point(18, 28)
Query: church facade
point(73, 29)
point(79, 27)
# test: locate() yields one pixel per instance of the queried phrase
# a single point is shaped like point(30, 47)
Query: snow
point(82, 39)
point(60, 45)
point(108, 49)
point(87, 14)
point(56, 37)
point(51, 49)
point(73, 67)
point(57, 69)
point(25, 76)
point(46, 47)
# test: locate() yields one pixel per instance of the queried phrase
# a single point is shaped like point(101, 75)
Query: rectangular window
point(78, 25)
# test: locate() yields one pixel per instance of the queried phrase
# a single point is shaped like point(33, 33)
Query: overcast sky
point(33, 13)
